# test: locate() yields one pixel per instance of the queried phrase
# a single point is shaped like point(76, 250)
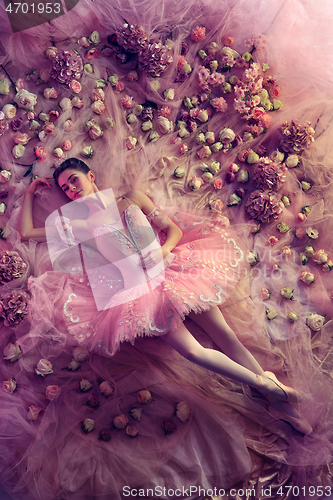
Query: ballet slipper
point(283, 410)
point(268, 385)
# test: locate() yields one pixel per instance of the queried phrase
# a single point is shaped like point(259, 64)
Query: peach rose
point(9, 386)
point(320, 257)
point(98, 95)
point(307, 277)
point(52, 392)
point(48, 128)
point(265, 294)
point(75, 86)
point(18, 151)
point(66, 145)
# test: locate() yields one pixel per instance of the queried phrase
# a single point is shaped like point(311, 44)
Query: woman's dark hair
point(71, 163)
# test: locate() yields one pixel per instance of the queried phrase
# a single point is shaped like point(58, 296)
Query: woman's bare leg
point(184, 342)
point(214, 324)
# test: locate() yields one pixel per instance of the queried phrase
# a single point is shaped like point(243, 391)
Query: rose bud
point(106, 388)
point(271, 314)
point(85, 385)
point(136, 413)
point(320, 257)
point(179, 172)
point(77, 102)
point(307, 277)
point(105, 434)
point(144, 396)
point(292, 316)
point(51, 52)
point(120, 422)
point(218, 183)
point(50, 93)
point(315, 321)
point(92, 401)
point(168, 426)
point(287, 293)
point(9, 386)
point(272, 240)
point(132, 430)
point(65, 103)
point(33, 412)
point(66, 145)
point(73, 365)
point(80, 354)
point(230, 177)
point(88, 425)
point(265, 294)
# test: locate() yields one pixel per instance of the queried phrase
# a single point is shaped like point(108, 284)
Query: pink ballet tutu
point(201, 272)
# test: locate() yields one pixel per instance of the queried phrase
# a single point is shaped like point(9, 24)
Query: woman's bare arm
point(25, 225)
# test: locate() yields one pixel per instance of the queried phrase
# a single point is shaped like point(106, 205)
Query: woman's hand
point(153, 258)
point(39, 182)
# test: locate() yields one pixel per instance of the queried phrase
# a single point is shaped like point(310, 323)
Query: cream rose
point(183, 411)
point(21, 139)
point(25, 99)
point(227, 135)
point(12, 352)
point(315, 321)
point(292, 161)
point(9, 111)
point(307, 277)
point(252, 258)
point(109, 123)
point(4, 87)
point(98, 95)
point(169, 94)
point(18, 151)
point(94, 38)
point(277, 156)
point(51, 52)
point(287, 293)
point(44, 367)
point(98, 107)
point(320, 257)
point(88, 425)
point(164, 125)
point(292, 316)
point(50, 93)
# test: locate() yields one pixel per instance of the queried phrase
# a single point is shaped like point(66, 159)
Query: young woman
point(115, 227)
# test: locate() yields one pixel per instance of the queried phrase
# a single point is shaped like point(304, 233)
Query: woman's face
point(76, 184)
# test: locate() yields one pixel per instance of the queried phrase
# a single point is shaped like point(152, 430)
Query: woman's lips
point(77, 194)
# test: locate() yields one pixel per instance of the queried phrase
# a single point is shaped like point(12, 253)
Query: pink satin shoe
point(286, 412)
point(268, 385)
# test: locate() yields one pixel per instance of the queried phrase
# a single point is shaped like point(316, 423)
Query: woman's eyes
point(73, 180)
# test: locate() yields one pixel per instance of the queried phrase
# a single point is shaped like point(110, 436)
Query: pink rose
point(320, 257)
point(120, 421)
point(195, 183)
point(218, 183)
point(9, 386)
point(119, 87)
point(198, 34)
point(127, 102)
point(33, 412)
point(265, 294)
point(183, 148)
point(234, 168)
point(275, 267)
point(106, 388)
point(54, 115)
point(216, 205)
point(50, 93)
point(257, 113)
point(132, 430)
point(51, 52)
point(286, 251)
point(21, 139)
point(272, 240)
point(144, 396)
point(299, 233)
point(92, 54)
point(77, 102)
point(9, 111)
point(95, 131)
point(228, 41)
point(48, 128)
point(44, 74)
point(301, 217)
point(98, 107)
point(131, 142)
point(84, 42)
point(52, 392)
point(307, 277)
point(68, 125)
point(12, 352)
point(44, 367)
point(75, 86)
point(40, 152)
point(66, 145)
point(183, 411)
point(80, 354)
point(275, 92)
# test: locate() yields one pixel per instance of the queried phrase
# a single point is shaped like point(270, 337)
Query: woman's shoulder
point(141, 200)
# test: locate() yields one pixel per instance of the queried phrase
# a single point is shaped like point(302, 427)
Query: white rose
point(315, 321)
point(88, 425)
point(94, 38)
point(228, 52)
point(320, 257)
point(227, 135)
point(292, 161)
point(25, 99)
point(164, 124)
point(277, 156)
point(203, 116)
point(210, 137)
point(58, 152)
point(169, 94)
point(200, 138)
point(243, 176)
point(12, 352)
point(207, 176)
point(216, 147)
point(252, 258)
point(9, 111)
point(292, 316)
point(5, 175)
point(65, 103)
point(3, 208)
point(18, 150)
point(146, 125)
point(287, 293)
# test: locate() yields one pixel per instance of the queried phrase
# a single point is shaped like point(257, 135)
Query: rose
point(179, 172)
point(252, 258)
point(40, 152)
point(271, 314)
point(44, 367)
point(9, 386)
point(65, 103)
point(320, 257)
point(48, 128)
point(92, 54)
point(73, 365)
point(292, 161)
point(66, 145)
point(303, 258)
point(309, 251)
point(286, 251)
point(99, 95)
point(50, 93)
point(136, 413)
point(234, 200)
point(94, 37)
point(301, 217)
point(183, 411)
point(84, 42)
point(272, 240)
point(277, 156)
point(33, 412)
point(252, 158)
point(18, 151)
point(12, 352)
point(52, 392)
point(80, 354)
point(4, 87)
point(305, 185)
point(87, 152)
point(98, 107)
point(207, 177)
point(9, 111)
point(203, 116)
point(132, 76)
point(204, 152)
point(120, 87)
point(168, 427)
point(315, 321)
point(195, 183)
point(21, 139)
point(120, 422)
point(287, 293)
point(3, 208)
point(58, 152)
point(109, 123)
point(77, 102)
point(95, 131)
point(169, 94)
point(328, 266)
point(265, 294)
point(292, 316)
point(113, 79)
point(144, 396)
point(54, 115)
point(227, 135)
point(68, 125)
point(44, 117)
point(106, 388)
point(286, 200)
point(132, 430)
point(299, 233)
point(105, 434)
point(164, 124)
point(51, 52)
point(5, 175)
point(88, 425)
point(218, 183)
point(312, 233)
point(146, 125)
point(307, 277)
point(275, 267)
point(87, 68)
point(85, 385)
